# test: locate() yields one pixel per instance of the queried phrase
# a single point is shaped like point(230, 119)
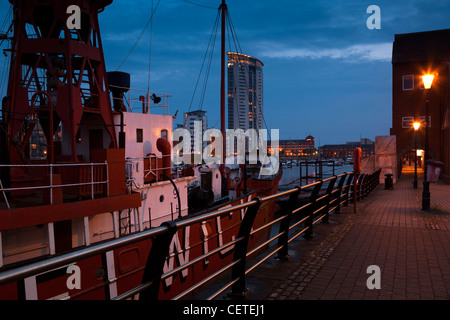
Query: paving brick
point(411, 247)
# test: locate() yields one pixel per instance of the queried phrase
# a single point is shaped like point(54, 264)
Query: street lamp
point(416, 126)
point(427, 82)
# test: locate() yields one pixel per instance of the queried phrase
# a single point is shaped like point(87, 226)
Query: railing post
point(107, 178)
point(4, 194)
point(239, 290)
point(354, 188)
point(368, 184)
point(329, 199)
point(348, 188)
point(155, 261)
point(374, 183)
point(284, 225)
point(51, 183)
point(309, 234)
point(92, 180)
point(337, 208)
point(360, 186)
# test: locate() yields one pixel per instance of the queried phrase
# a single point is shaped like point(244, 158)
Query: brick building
point(344, 151)
point(297, 147)
point(413, 55)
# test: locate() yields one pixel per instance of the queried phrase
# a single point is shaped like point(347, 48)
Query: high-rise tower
point(245, 92)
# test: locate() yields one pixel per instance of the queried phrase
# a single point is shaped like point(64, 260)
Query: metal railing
point(136, 100)
point(149, 169)
point(298, 217)
point(88, 180)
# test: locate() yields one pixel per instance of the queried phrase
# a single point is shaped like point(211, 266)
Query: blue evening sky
point(325, 73)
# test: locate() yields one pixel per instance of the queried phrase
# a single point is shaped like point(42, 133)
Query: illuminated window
point(407, 122)
point(164, 134)
point(422, 120)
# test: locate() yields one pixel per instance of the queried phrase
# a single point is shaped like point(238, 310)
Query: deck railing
point(298, 218)
point(143, 101)
point(153, 169)
point(88, 179)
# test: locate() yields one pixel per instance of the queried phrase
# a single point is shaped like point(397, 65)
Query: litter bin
point(388, 182)
point(434, 170)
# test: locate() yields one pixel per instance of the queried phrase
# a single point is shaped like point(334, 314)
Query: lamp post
point(416, 126)
point(427, 82)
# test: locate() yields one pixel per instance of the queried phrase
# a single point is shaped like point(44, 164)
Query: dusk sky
point(325, 73)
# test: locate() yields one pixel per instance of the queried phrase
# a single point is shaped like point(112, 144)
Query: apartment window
point(407, 122)
point(408, 82)
point(422, 120)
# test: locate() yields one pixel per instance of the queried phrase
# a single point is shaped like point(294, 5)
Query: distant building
point(297, 147)
point(245, 92)
point(344, 151)
point(189, 123)
point(413, 55)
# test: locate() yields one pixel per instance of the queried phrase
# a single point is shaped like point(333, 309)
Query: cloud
point(128, 36)
point(357, 52)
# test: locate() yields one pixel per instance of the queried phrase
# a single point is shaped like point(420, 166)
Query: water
point(291, 175)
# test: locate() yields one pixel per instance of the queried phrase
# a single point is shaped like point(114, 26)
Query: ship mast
point(222, 7)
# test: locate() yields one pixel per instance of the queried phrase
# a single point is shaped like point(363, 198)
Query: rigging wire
point(140, 36)
point(199, 5)
point(211, 42)
point(205, 83)
point(233, 43)
point(234, 35)
point(7, 19)
point(150, 53)
point(5, 70)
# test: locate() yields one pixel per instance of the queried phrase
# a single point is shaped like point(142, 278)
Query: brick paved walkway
point(412, 249)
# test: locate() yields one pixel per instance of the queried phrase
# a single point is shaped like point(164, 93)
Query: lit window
point(422, 120)
point(164, 134)
point(407, 122)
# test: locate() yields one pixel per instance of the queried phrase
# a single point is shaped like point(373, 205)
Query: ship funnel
point(119, 84)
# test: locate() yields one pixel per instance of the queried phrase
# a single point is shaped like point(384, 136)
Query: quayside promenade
point(389, 230)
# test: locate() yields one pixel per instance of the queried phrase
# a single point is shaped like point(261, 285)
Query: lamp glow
point(416, 125)
point(427, 80)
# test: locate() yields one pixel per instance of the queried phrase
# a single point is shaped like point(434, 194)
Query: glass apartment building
point(245, 92)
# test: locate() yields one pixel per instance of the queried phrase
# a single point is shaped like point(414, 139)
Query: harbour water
point(291, 175)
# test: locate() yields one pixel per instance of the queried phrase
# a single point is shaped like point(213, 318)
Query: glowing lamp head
point(416, 125)
point(427, 80)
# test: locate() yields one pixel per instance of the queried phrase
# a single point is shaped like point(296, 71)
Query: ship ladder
point(124, 222)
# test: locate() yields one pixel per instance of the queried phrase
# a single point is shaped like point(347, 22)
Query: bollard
point(388, 182)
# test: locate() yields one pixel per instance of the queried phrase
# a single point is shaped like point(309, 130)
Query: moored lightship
point(105, 170)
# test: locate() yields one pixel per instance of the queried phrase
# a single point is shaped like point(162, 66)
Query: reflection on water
point(291, 176)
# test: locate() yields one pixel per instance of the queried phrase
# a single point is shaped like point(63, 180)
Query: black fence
point(306, 206)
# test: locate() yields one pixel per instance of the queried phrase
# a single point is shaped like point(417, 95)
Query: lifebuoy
point(357, 160)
